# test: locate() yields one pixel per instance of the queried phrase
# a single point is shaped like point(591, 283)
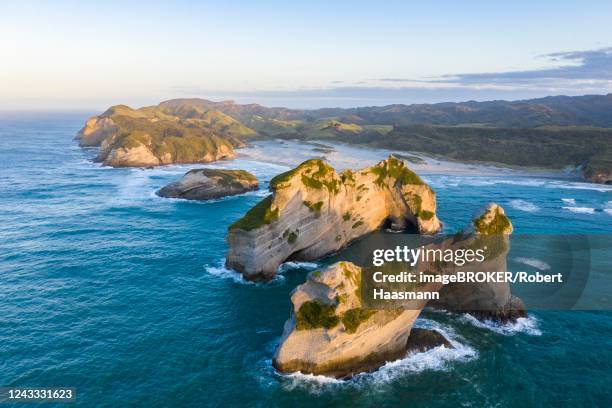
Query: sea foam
point(297, 265)
point(536, 263)
point(580, 210)
point(526, 325)
point(523, 205)
point(219, 270)
point(437, 359)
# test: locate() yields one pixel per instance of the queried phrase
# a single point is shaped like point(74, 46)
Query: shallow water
point(121, 294)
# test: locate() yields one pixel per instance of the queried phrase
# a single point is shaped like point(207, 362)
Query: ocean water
point(110, 289)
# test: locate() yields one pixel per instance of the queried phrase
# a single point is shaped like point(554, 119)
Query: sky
point(90, 55)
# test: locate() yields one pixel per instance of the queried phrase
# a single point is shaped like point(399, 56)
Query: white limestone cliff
point(314, 211)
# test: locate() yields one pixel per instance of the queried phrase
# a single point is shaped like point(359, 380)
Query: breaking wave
point(580, 210)
point(436, 359)
point(219, 270)
point(536, 263)
point(523, 205)
point(526, 325)
point(297, 265)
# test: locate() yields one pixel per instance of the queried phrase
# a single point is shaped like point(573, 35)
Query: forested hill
point(587, 110)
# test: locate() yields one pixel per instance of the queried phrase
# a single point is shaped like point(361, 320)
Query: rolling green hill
point(552, 132)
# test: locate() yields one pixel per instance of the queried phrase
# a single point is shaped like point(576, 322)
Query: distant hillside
point(588, 110)
point(551, 132)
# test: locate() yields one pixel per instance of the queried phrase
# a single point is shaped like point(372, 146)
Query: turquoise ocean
point(109, 289)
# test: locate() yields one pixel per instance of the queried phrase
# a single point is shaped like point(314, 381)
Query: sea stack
point(314, 211)
point(206, 184)
point(330, 333)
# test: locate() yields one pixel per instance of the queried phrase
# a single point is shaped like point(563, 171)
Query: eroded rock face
point(149, 151)
point(314, 211)
point(329, 333)
point(96, 129)
point(205, 184)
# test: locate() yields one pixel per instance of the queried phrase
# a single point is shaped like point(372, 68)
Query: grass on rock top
point(500, 224)
point(315, 174)
point(226, 177)
point(397, 170)
point(258, 216)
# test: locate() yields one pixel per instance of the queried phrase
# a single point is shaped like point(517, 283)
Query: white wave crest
point(523, 205)
point(297, 265)
point(437, 359)
point(579, 186)
point(526, 325)
point(580, 210)
point(313, 383)
point(608, 211)
point(262, 192)
point(571, 201)
point(221, 271)
point(536, 263)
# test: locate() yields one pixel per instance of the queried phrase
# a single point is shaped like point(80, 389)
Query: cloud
point(352, 96)
point(575, 73)
point(574, 69)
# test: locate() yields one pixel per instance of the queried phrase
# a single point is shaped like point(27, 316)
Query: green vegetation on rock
point(227, 177)
point(314, 172)
point(317, 174)
point(414, 202)
point(314, 207)
point(499, 224)
point(353, 318)
point(347, 177)
point(314, 315)
point(258, 216)
point(425, 215)
point(395, 169)
point(292, 237)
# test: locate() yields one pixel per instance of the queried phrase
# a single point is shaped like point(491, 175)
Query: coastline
point(344, 156)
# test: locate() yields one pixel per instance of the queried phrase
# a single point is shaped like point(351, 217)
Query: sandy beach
point(342, 156)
